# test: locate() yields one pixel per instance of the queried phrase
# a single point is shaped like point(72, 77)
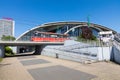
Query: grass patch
point(1, 59)
point(9, 54)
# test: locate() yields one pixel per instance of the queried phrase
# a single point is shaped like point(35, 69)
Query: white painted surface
point(14, 49)
point(104, 53)
point(70, 42)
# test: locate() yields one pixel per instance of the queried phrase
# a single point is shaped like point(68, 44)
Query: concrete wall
point(2, 51)
point(104, 53)
point(14, 49)
point(70, 42)
point(38, 49)
point(65, 55)
point(115, 55)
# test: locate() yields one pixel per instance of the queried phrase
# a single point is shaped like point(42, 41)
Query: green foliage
point(8, 38)
point(8, 51)
point(81, 38)
point(94, 37)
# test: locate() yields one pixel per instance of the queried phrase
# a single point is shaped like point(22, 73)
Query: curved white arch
point(44, 25)
point(27, 32)
point(80, 26)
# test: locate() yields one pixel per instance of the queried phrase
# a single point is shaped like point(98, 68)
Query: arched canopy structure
point(71, 28)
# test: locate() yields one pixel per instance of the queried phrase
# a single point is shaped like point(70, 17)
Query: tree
point(8, 51)
point(86, 32)
point(8, 38)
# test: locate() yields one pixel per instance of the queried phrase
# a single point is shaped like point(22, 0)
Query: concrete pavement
point(47, 68)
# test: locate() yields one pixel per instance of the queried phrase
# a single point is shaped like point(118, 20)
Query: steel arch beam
point(82, 26)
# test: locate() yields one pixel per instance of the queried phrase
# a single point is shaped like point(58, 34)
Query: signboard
point(7, 18)
point(105, 32)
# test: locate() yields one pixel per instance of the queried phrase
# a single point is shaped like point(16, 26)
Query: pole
point(88, 21)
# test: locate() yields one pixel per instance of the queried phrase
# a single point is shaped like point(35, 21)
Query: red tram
point(48, 37)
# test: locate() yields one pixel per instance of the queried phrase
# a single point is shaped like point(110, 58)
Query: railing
point(117, 37)
point(28, 43)
point(116, 44)
point(97, 43)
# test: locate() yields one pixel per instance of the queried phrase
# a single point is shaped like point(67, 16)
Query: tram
point(48, 37)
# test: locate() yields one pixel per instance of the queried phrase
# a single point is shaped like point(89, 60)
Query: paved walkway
point(48, 68)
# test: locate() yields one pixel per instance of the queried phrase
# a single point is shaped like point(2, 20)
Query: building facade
point(6, 27)
point(73, 29)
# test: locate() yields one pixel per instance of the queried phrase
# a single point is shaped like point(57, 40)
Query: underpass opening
point(25, 50)
point(14, 51)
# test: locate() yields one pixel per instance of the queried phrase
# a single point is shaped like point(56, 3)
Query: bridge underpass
point(38, 45)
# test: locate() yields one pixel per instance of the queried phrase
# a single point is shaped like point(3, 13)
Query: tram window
point(103, 35)
point(43, 35)
point(64, 36)
point(35, 34)
point(59, 36)
point(39, 35)
point(47, 35)
point(53, 36)
point(110, 34)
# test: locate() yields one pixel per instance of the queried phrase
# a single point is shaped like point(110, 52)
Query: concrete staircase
point(79, 57)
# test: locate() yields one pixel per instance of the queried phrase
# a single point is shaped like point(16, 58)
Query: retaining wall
point(115, 56)
point(2, 51)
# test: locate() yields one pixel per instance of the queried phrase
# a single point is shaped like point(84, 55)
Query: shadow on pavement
point(21, 55)
point(1, 65)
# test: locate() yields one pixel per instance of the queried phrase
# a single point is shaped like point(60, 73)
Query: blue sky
point(29, 13)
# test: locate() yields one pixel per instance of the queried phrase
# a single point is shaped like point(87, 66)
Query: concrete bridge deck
point(17, 43)
point(38, 45)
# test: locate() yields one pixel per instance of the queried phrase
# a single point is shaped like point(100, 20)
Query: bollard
point(56, 55)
